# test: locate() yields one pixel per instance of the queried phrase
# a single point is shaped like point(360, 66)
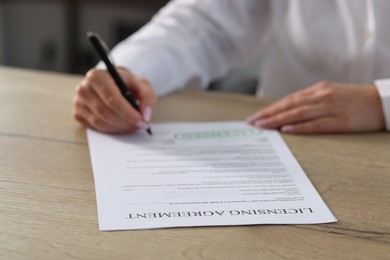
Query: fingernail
point(261, 122)
point(255, 116)
point(148, 114)
point(142, 125)
point(251, 118)
point(287, 128)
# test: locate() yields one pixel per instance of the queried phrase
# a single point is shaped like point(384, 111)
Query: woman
point(192, 42)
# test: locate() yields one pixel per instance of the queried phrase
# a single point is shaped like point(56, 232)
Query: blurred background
point(50, 35)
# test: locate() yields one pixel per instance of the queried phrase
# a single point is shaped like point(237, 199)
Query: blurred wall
point(1, 34)
point(32, 35)
point(35, 34)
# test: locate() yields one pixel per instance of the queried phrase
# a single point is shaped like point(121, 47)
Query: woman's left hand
point(325, 107)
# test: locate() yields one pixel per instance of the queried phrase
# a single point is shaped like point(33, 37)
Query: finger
point(79, 111)
point(252, 118)
point(317, 93)
point(284, 104)
point(105, 88)
point(86, 97)
point(293, 116)
point(88, 118)
point(85, 116)
point(78, 115)
point(99, 109)
point(143, 92)
point(320, 125)
point(289, 102)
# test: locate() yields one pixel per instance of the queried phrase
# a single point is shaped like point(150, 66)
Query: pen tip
point(149, 131)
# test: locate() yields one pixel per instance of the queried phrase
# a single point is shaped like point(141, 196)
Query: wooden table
point(47, 196)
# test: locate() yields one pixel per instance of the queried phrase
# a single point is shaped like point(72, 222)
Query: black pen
point(98, 44)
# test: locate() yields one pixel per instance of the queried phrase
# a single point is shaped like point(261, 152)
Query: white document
point(200, 174)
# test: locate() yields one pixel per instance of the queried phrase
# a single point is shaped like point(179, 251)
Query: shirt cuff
point(383, 86)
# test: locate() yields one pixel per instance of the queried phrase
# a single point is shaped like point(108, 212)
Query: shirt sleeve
point(383, 86)
point(192, 42)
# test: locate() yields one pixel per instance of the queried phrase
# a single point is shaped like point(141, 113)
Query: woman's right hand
point(99, 104)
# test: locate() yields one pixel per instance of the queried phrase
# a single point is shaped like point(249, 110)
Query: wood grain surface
point(47, 196)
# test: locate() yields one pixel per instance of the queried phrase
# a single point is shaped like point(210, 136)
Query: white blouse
point(192, 42)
